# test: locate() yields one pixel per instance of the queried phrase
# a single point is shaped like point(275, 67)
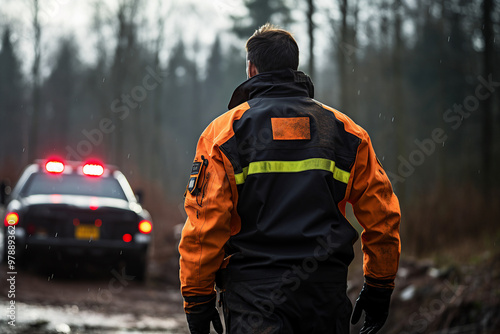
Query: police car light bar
point(92, 169)
point(55, 167)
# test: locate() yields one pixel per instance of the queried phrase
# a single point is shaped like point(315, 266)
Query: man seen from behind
point(266, 202)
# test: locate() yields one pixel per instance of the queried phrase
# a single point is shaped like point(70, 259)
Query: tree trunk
point(399, 112)
point(35, 72)
point(342, 63)
point(310, 31)
point(441, 165)
point(489, 49)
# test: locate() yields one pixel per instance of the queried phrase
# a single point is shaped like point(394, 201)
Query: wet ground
point(98, 300)
point(433, 299)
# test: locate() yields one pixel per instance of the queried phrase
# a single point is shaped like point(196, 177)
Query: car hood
point(81, 202)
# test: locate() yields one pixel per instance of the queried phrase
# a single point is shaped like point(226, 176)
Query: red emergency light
point(93, 169)
point(54, 167)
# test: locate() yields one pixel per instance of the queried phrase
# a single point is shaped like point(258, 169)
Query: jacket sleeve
point(377, 209)
point(207, 227)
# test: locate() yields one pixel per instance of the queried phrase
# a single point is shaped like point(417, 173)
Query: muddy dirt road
point(97, 301)
point(461, 299)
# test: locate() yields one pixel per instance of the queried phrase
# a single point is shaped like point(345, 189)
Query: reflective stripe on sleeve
point(260, 167)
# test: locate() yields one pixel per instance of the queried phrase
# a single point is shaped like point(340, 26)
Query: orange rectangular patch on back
point(293, 128)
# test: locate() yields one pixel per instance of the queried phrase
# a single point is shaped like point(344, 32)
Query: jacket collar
point(280, 83)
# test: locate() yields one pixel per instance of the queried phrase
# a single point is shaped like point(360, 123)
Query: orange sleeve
point(208, 225)
point(377, 209)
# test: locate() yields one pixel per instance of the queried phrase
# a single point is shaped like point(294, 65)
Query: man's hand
point(375, 302)
point(200, 312)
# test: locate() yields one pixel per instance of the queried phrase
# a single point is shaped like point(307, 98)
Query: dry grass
point(461, 223)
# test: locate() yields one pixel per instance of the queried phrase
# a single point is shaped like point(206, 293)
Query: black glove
point(375, 302)
point(200, 312)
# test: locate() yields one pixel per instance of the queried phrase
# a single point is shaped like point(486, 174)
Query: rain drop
point(359, 92)
point(379, 115)
point(103, 79)
point(392, 120)
point(55, 236)
point(448, 38)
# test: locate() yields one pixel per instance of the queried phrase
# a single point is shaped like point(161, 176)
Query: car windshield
point(73, 184)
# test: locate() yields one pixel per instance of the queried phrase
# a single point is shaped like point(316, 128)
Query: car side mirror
point(139, 196)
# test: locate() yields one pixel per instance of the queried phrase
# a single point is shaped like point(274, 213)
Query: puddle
point(70, 319)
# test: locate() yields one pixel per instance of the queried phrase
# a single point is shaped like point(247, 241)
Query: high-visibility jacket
point(268, 189)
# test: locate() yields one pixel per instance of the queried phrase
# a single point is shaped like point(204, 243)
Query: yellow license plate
point(87, 232)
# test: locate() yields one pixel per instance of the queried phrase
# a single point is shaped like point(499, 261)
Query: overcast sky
point(194, 20)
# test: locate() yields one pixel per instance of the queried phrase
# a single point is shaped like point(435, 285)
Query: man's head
point(271, 49)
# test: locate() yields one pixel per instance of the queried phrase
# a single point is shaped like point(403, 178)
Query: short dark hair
point(271, 48)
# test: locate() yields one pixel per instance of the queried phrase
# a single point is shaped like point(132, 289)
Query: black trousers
point(270, 306)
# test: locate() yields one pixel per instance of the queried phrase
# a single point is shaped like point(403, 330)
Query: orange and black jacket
point(268, 189)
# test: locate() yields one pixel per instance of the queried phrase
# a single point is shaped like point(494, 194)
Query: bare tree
point(155, 166)
point(487, 117)
point(399, 106)
point(341, 56)
point(11, 104)
point(260, 12)
point(346, 58)
point(35, 72)
point(122, 71)
point(310, 31)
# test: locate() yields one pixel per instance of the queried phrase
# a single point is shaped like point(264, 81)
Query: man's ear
point(251, 69)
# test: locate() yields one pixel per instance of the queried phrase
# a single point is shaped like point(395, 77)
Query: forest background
point(134, 83)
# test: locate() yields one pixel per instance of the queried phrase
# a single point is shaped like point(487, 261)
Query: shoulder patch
point(291, 128)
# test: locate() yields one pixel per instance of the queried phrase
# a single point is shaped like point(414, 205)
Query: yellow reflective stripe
point(240, 177)
point(290, 166)
point(259, 167)
point(341, 175)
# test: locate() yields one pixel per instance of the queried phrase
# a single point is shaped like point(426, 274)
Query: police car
point(77, 209)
